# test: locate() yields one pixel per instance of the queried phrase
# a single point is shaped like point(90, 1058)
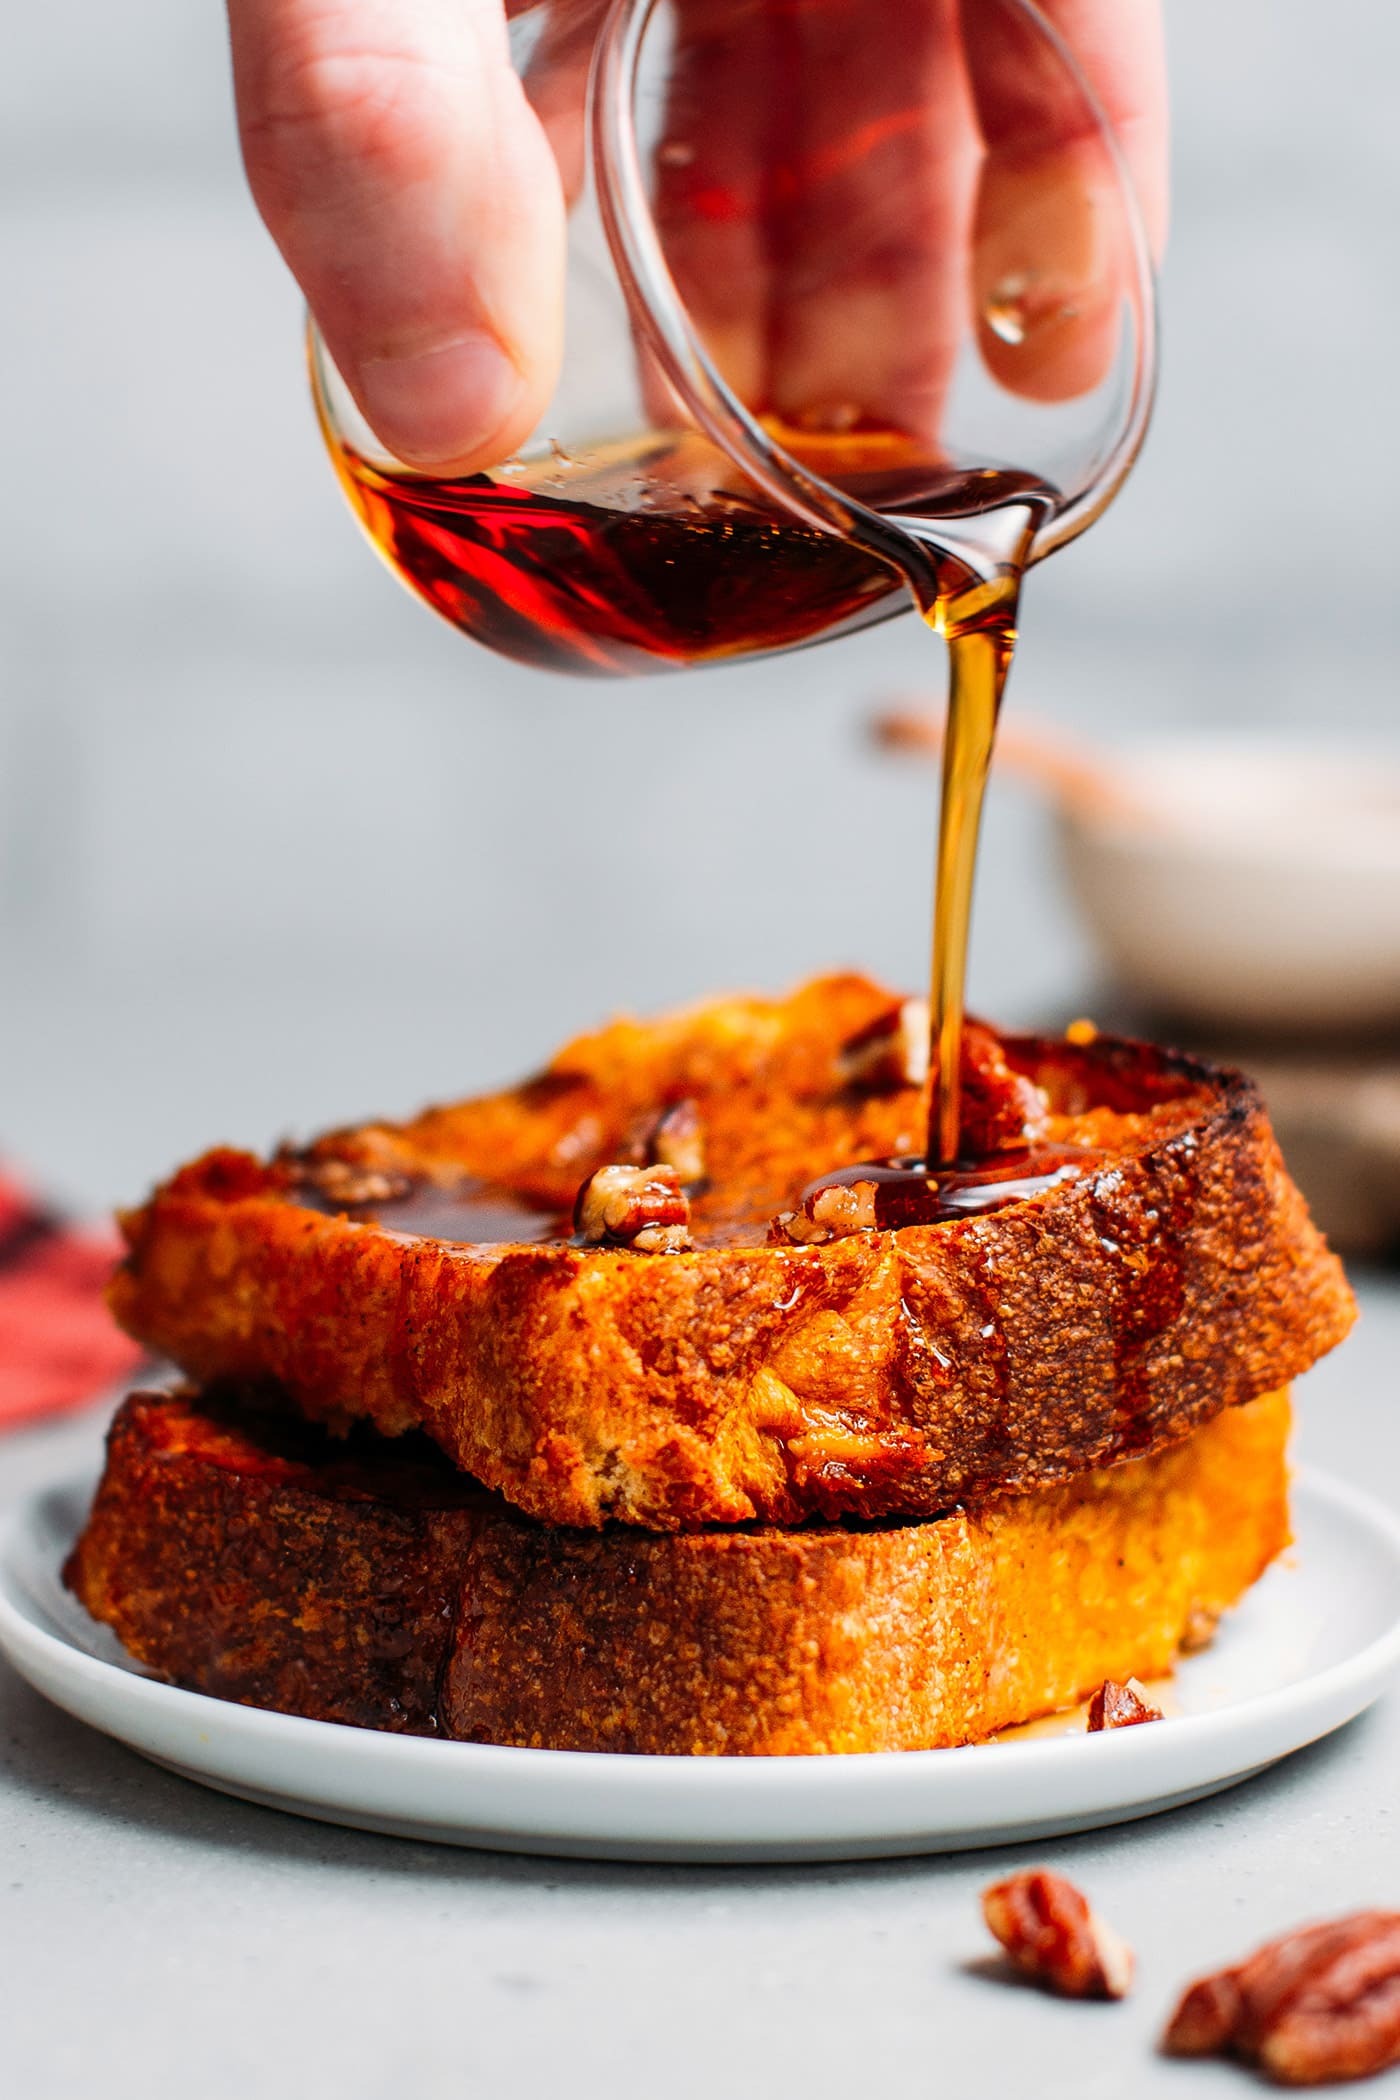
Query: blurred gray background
point(277, 848)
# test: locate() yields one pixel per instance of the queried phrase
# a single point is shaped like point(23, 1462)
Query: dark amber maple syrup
point(639, 557)
point(980, 626)
point(911, 1192)
point(468, 1213)
point(651, 553)
point(472, 1213)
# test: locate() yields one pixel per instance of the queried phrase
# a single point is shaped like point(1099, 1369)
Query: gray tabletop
point(161, 1939)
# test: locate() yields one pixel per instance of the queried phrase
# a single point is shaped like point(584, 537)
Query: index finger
point(413, 194)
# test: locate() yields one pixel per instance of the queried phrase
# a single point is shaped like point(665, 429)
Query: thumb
point(410, 188)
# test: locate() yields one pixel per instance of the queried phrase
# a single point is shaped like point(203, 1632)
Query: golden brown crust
point(253, 1559)
point(885, 1374)
point(248, 1559)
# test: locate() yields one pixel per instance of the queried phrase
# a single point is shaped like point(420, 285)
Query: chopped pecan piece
point(677, 1139)
point(845, 1208)
point(833, 1213)
point(642, 1207)
point(1001, 1108)
point(1319, 2005)
point(1116, 1705)
point(1199, 1630)
point(891, 1052)
point(349, 1182)
point(1049, 1931)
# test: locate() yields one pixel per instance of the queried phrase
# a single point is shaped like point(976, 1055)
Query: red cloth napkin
point(59, 1345)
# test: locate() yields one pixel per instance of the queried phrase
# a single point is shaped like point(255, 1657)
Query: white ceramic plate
point(1309, 1648)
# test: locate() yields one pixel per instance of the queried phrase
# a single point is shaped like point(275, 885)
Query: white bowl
point(1245, 883)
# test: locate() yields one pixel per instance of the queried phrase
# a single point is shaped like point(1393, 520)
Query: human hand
point(411, 189)
point(827, 221)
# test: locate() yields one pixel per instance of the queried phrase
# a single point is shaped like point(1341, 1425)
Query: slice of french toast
point(710, 1347)
point(258, 1560)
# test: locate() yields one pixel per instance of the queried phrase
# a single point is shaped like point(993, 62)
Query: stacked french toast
point(581, 1416)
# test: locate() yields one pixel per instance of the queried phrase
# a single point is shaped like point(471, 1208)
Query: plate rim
point(552, 1794)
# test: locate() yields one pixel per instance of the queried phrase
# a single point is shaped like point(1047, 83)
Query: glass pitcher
point(859, 300)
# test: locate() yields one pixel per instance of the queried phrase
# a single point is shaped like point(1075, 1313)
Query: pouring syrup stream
point(975, 610)
point(976, 573)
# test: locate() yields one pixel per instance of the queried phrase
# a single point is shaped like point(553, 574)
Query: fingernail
point(439, 404)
